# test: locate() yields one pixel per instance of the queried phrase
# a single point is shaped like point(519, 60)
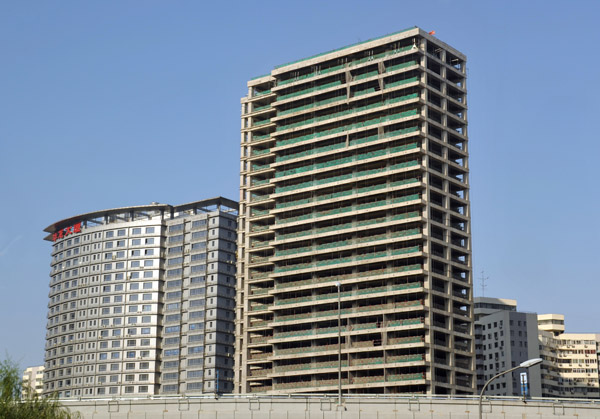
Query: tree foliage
point(17, 402)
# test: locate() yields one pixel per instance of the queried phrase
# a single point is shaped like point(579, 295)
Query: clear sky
point(113, 103)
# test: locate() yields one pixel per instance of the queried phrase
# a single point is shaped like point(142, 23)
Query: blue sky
point(113, 103)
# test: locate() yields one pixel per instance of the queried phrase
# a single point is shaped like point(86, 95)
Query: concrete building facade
point(355, 197)
point(571, 360)
point(142, 301)
point(504, 338)
point(33, 379)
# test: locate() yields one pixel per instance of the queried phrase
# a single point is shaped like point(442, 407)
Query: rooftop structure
point(355, 197)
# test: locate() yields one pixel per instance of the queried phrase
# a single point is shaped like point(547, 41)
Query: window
point(175, 261)
point(150, 240)
point(198, 235)
point(145, 330)
point(149, 230)
point(134, 286)
point(198, 223)
point(195, 374)
point(147, 297)
point(177, 249)
point(148, 274)
point(135, 264)
point(195, 349)
point(197, 268)
point(177, 238)
point(198, 280)
point(170, 364)
point(172, 341)
point(136, 242)
point(198, 257)
point(136, 230)
point(175, 228)
point(174, 272)
point(130, 354)
point(173, 295)
point(171, 352)
point(148, 263)
point(147, 285)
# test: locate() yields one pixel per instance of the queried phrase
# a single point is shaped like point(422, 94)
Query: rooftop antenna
point(483, 284)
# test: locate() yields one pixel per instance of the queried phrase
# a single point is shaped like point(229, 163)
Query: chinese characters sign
point(60, 234)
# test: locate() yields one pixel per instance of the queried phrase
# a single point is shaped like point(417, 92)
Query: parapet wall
point(326, 407)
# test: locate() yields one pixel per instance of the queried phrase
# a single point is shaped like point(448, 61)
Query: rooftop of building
point(348, 49)
point(143, 211)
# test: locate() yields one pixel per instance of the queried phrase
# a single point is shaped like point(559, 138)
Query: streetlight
point(525, 364)
point(339, 285)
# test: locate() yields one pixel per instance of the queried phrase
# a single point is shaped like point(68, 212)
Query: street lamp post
point(338, 285)
point(525, 364)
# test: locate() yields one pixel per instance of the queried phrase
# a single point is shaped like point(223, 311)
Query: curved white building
point(142, 301)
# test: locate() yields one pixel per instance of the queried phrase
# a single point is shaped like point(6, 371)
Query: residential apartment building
point(570, 367)
point(33, 379)
point(355, 196)
point(504, 338)
point(142, 301)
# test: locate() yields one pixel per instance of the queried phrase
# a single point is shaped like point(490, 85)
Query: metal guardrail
point(319, 396)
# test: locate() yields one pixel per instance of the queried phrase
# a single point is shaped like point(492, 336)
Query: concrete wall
point(322, 407)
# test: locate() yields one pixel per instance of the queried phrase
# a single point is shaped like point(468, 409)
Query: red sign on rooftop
point(61, 234)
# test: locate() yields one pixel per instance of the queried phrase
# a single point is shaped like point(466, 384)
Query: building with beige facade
point(570, 367)
point(355, 203)
point(142, 301)
point(33, 379)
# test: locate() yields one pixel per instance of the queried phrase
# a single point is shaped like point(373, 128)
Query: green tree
point(17, 402)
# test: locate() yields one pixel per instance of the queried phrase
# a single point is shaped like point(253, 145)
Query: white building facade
point(138, 290)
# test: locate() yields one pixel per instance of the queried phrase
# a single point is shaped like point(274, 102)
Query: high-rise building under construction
point(354, 237)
